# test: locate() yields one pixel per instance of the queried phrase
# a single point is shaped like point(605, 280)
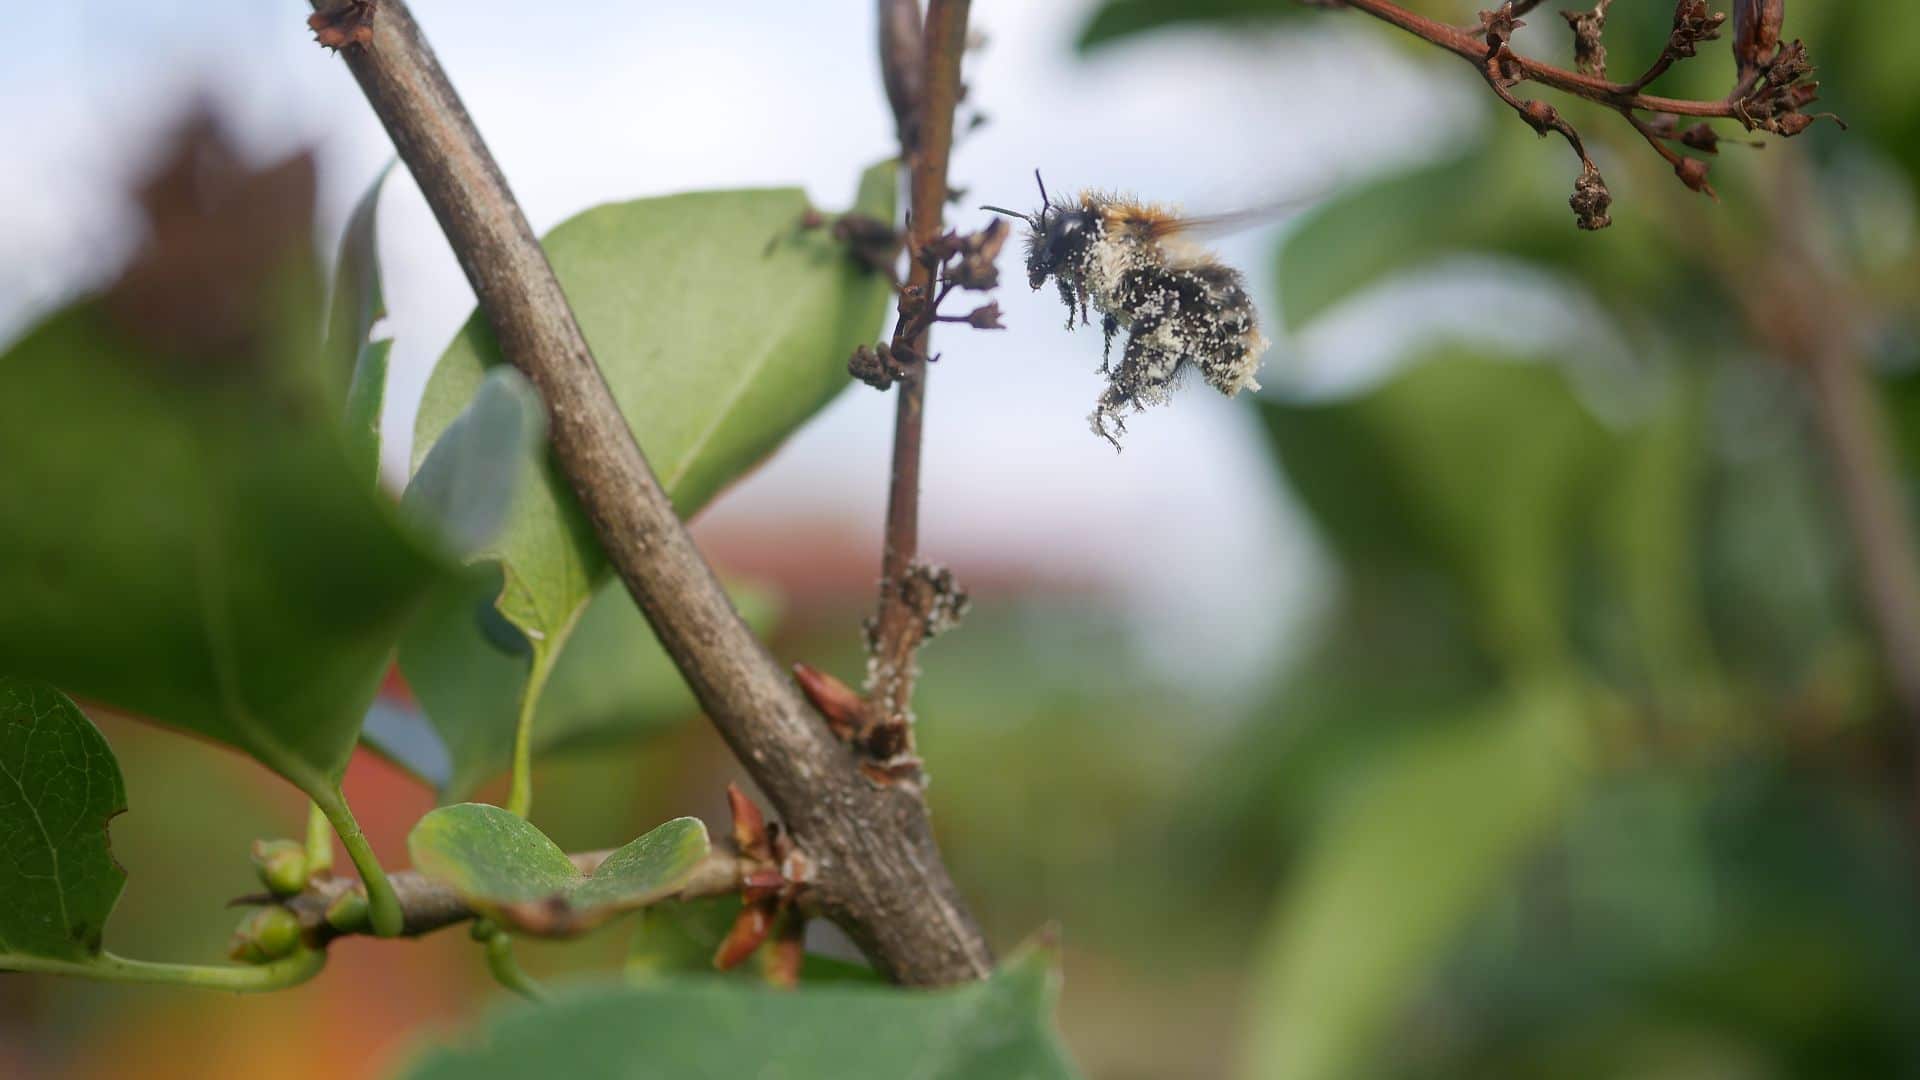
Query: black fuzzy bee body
point(1180, 307)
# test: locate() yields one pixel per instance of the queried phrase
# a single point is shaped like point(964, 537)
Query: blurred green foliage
point(1648, 553)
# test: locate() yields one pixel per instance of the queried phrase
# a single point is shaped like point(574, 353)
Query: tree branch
point(901, 623)
point(878, 871)
point(1813, 320)
point(1769, 95)
point(429, 905)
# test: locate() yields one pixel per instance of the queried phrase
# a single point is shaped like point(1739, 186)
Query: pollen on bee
point(1180, 306)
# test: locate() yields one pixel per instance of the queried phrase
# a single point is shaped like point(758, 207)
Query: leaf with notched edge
point(503, 866)
point(59, 787)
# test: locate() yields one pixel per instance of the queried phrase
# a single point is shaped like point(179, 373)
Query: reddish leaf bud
point(842, 706)
point(749, 931)
point(749, 826)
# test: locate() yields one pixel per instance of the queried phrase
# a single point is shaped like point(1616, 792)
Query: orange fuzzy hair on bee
point(1146, 220)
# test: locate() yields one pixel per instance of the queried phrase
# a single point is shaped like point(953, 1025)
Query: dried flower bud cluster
point(1589, 50)
point(1770, 95)
point(957, 261)
point(1782, 91)
point(1693, 23)
point(936, 596)
point(1590, 200)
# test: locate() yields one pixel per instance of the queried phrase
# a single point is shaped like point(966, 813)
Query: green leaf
point(466, 665)
point(720, 327)
point(466, 483)
point(500, 864)
point(59, 787)
point(1470, 470)
point(1118, 19)
point(722, 1029)
point(1396, 870)
point(195, 544)
point(663, 288)
point(359, 302)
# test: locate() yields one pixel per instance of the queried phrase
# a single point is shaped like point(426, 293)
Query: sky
point(590, 102)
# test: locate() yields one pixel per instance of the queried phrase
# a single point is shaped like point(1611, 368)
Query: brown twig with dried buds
point(922, 75)
point(1770, 95)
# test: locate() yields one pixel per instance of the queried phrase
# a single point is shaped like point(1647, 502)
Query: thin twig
point(1814, 321)
point(1471, 47)
point(879, 872)
point(903, 65)
point(430, 905)
point(898, 627)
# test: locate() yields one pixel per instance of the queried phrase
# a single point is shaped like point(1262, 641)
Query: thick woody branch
point(879, 873)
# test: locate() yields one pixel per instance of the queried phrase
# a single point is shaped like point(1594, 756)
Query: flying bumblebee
point(1137, 265)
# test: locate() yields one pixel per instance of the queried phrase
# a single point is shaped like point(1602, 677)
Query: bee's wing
point(1233, 221)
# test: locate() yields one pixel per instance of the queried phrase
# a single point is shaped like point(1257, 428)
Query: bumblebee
point(1136, 264)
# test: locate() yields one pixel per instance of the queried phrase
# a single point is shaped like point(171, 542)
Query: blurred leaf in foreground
point(722, 1029)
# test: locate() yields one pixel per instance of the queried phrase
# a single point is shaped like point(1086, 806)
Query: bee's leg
point(1109, 326)
point(1069, 296)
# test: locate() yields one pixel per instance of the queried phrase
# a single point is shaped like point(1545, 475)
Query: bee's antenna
point(1028, 218)
point(1044, 201)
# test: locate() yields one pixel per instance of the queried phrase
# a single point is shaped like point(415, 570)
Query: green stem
point(279, 975)
point(507, 971)
point(383, 907)
point(319, 842)
point(520, 796)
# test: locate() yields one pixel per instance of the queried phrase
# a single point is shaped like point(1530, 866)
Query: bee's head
point(1056, 235)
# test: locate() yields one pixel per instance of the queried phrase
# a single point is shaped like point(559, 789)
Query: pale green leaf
point(502, 865)
point(466, 664)
point(1396, 870)
point(720, 326)
point(466, 484)
point(359, 302)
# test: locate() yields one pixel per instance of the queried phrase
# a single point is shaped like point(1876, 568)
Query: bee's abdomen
point(1203, 314)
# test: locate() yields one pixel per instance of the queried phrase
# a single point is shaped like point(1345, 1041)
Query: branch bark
point(899, 626)
point(879, 872)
